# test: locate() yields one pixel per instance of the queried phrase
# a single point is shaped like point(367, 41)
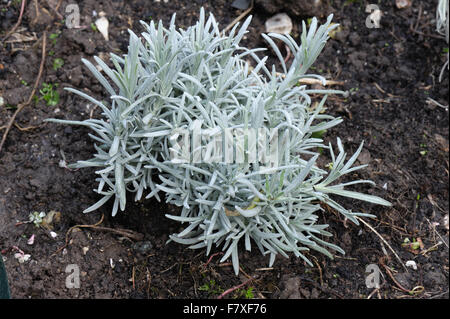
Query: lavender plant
point(199, 78)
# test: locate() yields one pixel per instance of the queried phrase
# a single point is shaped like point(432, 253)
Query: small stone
point(402, 4)
point(241, 4)
point(412, 264)
point(399, 48)
point(279, 23)
point(445, 221)
point(22, 257)
point(143, 247)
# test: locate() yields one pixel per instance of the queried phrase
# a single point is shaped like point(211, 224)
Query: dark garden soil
point(390, 72)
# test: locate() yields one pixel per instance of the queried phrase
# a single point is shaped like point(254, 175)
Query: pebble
point(445, 221)
point(279, 23)
point(402, 4)
point(241, 4)
point(143, 247)
point(412, 264)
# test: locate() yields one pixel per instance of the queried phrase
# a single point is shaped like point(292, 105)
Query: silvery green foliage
point(442, 18)
point(442, 26)
point(179, 79)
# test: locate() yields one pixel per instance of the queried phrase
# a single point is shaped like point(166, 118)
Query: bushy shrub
point(178, 81)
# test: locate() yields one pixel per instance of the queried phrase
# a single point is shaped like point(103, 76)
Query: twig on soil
point(166, 270)
point(70, 230)
point(388, 271)
point(226, 292)
point(36, 84)
point(239, 18)
point(434, 36)
point(439, 295)
point(56, 10)
point(320, 270)
point(415, 290)
point(124, 232)
point(148, 276)
point(264, 269)
point(317, 81)
point(383, 240)
point(132, 277)
point(23, 129)
point(345, 258)
point(22, 8)
point(211, 257)
point(396, 228)
point(312, 81)
point(436, 232)
point(224, 265)
point(378, 87)
point(58, 5)
point(376, 290)
point(419, 16)
point(36, 8)
point(424, 252)
point(288, 54)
